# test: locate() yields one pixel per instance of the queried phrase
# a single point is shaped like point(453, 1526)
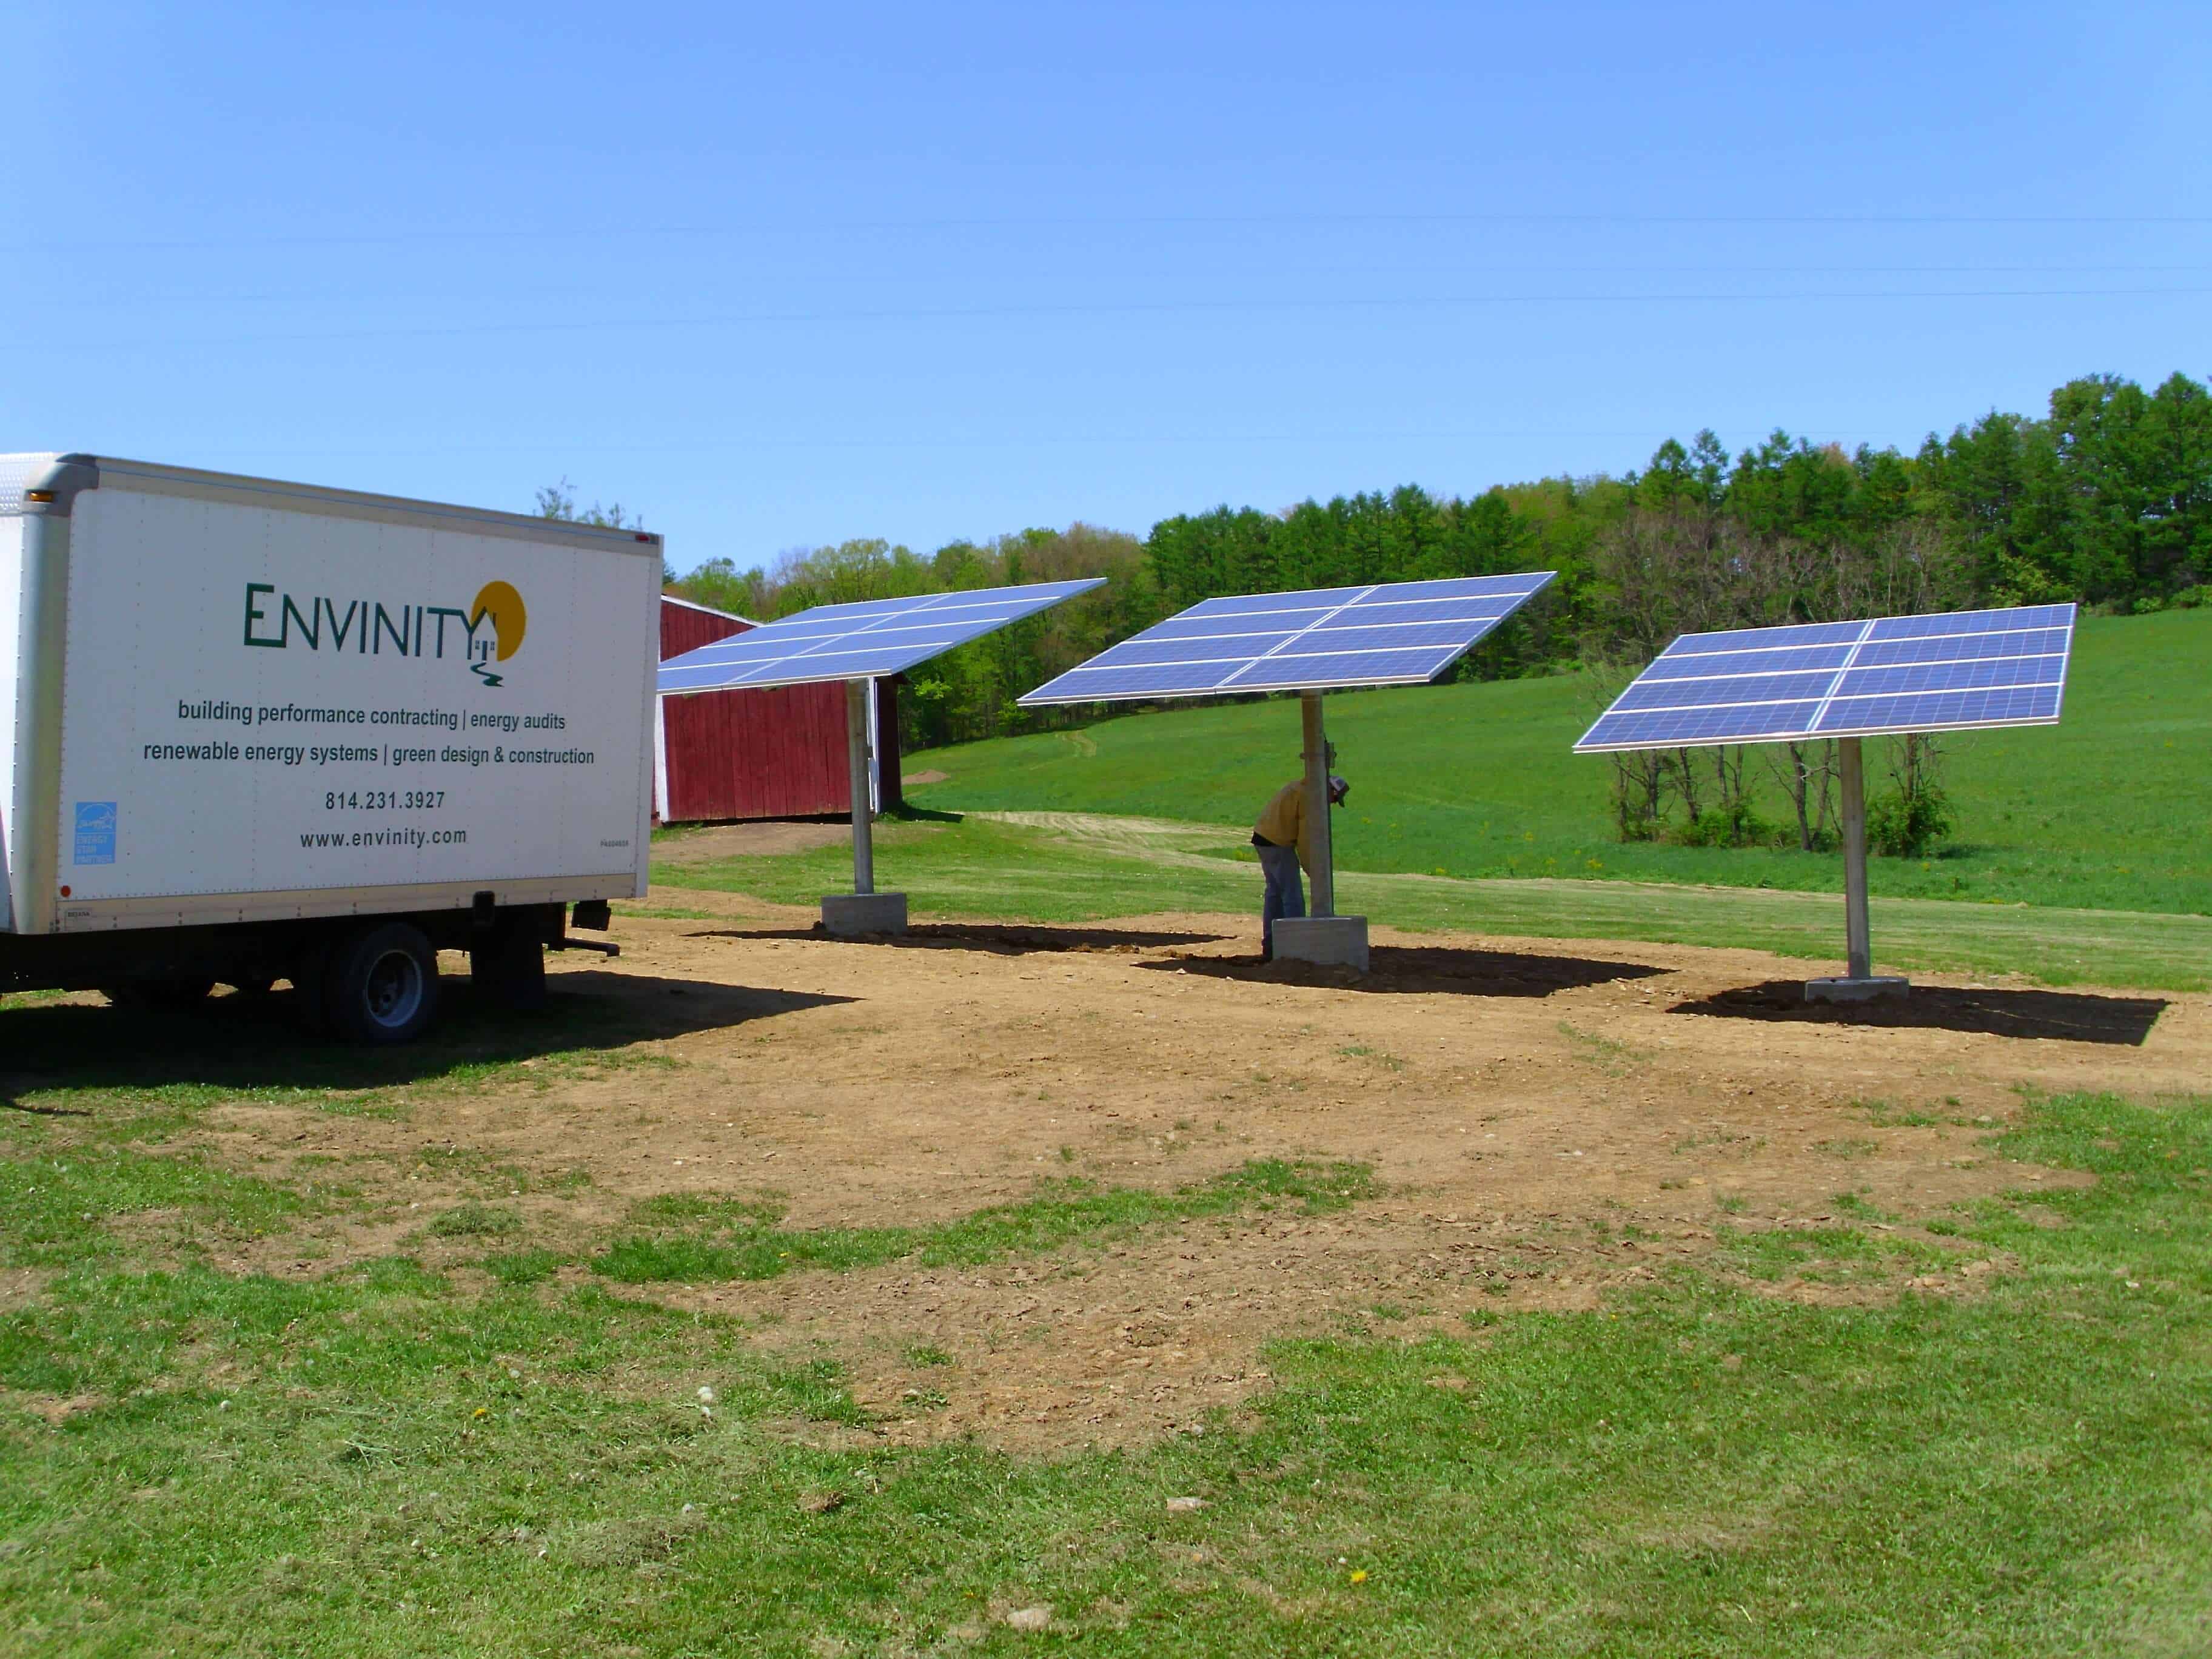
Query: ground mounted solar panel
point(1321, 639)
point(867, 640)
point(1951, 673)
point(1847, 681)
point(857, 643)
point(1317, 641)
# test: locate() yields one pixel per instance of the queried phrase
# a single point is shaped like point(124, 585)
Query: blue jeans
point(1286, 894)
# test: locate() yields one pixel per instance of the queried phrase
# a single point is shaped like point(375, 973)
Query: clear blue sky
point(782, 275)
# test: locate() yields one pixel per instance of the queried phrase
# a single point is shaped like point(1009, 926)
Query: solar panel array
point(862, 641)
point(1964, 669)
point(1387, 634)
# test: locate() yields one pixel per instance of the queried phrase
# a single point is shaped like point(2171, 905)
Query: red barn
point(778, 753)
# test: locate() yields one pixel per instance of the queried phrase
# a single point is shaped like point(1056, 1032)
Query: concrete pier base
point(1331, 941)
point(849, 915)
point(1855, 990)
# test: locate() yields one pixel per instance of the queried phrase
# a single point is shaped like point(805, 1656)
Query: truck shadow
point(2067, 1015)
point(247, 1042)
point(1005, 941)
point(1415, 969)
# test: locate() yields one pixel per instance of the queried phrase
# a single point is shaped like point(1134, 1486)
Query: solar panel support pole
point(1858, 933)
point(1322, 937)
point(1323, 873)
point(863, 910)
point(856, 766)
point(1859, 982)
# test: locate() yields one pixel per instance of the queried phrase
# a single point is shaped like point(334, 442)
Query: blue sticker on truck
point(96, 832)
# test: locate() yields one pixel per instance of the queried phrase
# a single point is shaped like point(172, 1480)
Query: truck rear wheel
point(381, 985)
point(508, 967)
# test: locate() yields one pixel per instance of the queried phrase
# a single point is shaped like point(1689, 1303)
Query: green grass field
point(508, 1451)
point(2107, 810)
point(389, 1460)
point(1072, 867)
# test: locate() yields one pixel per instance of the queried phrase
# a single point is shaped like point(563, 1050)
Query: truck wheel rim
point(394, 988)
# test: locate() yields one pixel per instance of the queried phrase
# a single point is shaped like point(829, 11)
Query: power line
point(1611, 268)
point(740, 445)
point(964, 313)
point(484, 234)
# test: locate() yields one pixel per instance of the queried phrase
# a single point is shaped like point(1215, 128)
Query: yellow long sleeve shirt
point(1284, 822)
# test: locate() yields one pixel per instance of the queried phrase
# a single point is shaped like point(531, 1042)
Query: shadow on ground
point(1015, 941)
point(245, 1042)
point(1409, 967)
point(2068, 1015)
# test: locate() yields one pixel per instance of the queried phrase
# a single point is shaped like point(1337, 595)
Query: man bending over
point(1284, 842)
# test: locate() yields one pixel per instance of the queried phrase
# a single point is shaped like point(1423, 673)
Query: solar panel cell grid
point(1291, 671)
point(1767, 639)
point(1954, 676)
point(1317, 599)
point(1749, 688)
point(1895, 674)
point(860, 640)
point(1243, 626)
point(1963, 648)
point(1162, 651)
point(1672, 728)
point(1390, 634)
point(1799, 659)
point(2018, 619)
point(1486, 608)
point(1940, 710)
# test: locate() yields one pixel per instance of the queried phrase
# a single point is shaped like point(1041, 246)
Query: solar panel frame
point(1310, 640)
point(1957, 671)
point(864, 639)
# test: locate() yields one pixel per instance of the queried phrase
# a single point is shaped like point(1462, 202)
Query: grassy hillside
point(2106, 811)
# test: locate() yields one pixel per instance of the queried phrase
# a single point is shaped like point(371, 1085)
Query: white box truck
point(252, 730)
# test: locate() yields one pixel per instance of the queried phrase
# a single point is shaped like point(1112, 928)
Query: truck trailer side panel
point(11, 615)
point(280, 701)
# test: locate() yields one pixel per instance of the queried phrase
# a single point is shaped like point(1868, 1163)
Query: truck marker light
point(65, 892)
point(48, 494)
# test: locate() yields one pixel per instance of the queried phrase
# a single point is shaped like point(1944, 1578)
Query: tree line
point(2106, 500)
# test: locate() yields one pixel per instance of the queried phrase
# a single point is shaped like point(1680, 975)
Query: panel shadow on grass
point(1452, 970)
point(243, 1042)
point(1009, 939)
point(2066, 1015)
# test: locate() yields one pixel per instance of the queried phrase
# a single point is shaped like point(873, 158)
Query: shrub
point(1904, 824)
point(1736, 825)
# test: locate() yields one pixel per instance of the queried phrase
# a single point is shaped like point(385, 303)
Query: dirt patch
point(1546, 1122)
point(915, 780)
point(745, 840)
point(23, 1287)
point(1398, 969)
point(54, 1410)
point(1001, 938)
point(2066, 1015)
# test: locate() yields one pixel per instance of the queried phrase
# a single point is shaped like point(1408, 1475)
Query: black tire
point(381, 985)
point(508, 967)
point(161, 996)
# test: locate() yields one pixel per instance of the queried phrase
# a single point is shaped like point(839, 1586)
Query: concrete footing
point(1332, 941)
point(848, 915)
point(1855, 990)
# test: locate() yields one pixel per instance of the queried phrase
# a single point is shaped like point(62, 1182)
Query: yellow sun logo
point(504, 607)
